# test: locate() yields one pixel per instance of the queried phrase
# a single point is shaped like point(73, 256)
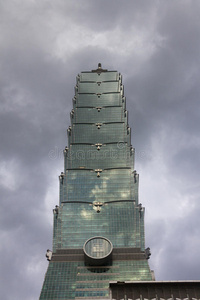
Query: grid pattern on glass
point(98, 156)
point(99, 114)
point(60, 281)
point(67, 280)
point(101, 87)
point(125, 232)
point(126, 269)
point(100, 100)
point(111, 185)
point(99, 133)
point(89, 76)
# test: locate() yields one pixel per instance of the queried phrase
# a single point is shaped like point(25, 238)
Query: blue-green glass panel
point(103, 87)
point(98, 157)
point(67, 280)
point(104, 76)
point(99, 114)
point(84, 185)
point(121, 233)
point(107, 133)
point(103, 100)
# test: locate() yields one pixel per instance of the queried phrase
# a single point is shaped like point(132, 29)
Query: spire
point(99, 69)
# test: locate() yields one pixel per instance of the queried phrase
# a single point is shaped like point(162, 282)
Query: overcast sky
point(155, 45)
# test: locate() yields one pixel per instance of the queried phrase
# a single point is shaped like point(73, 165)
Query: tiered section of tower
point(98, 195)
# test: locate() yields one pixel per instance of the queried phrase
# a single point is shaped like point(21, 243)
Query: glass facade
point(98, 196)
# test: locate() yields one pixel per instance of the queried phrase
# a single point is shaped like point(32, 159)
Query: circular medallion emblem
point(97, 250)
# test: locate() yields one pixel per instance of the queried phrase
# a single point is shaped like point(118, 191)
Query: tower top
point(99, 69)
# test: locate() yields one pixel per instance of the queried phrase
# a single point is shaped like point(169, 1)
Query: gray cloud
point(155, 45)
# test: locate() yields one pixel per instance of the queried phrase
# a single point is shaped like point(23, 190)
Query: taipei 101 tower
point(98, 231)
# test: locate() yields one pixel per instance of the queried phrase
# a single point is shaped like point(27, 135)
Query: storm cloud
point(155, 45)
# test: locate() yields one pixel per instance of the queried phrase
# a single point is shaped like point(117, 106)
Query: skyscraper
point(98, 233)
